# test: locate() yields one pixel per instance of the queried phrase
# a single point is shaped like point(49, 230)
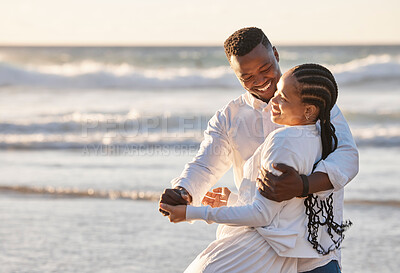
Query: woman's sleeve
point(262, 211)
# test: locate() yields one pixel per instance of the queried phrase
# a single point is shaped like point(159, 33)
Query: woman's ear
point(311, 112)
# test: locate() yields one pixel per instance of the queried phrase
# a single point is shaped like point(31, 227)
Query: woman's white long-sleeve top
point(282, 224)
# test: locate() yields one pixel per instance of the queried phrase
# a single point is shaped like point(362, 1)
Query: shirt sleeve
point(232, 199)
point(262, 211)
point(211, 162)
point(342, 164)
point(257, 214)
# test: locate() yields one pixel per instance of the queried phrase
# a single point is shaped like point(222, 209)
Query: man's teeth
point(266, 87)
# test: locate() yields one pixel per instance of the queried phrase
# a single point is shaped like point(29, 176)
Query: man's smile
point(264, 88)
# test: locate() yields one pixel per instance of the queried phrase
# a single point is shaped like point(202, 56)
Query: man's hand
point(280, 188)
point(176, 214)
point(177, 196)
point(217, 198)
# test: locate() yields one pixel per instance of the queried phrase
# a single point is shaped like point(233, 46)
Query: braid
point(319, 88)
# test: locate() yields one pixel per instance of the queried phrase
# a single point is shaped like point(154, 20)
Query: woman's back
point(298, 147)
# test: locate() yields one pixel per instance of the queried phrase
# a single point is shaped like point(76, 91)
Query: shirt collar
point(254, 102)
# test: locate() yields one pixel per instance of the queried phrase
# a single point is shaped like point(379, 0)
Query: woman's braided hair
point(318, 87)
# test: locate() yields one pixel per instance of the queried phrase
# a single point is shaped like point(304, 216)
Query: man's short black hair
point(244, 40)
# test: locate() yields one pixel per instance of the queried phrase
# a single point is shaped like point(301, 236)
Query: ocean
point(90, 136)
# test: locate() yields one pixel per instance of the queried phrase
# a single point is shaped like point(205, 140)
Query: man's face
point(258, 71)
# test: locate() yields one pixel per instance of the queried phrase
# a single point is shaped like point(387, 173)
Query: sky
point(206, 22)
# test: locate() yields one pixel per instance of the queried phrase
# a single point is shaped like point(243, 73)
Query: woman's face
point(287, 108)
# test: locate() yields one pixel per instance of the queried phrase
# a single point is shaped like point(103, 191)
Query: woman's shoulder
point(292, 135)
point(297, 130)
point(294, 132)
point(295, 146)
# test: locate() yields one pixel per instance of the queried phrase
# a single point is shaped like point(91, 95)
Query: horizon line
point(181, 45)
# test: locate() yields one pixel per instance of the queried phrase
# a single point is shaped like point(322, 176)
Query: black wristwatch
point(306, 185)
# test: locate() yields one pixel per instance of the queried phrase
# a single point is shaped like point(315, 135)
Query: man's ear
point(276, 54)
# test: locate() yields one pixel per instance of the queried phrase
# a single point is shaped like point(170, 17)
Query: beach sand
point(103, 235)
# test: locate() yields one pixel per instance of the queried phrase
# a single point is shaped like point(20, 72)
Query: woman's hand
point(176, 213)
point(217, 198)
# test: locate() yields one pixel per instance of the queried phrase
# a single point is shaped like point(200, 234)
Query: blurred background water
point(90, 136)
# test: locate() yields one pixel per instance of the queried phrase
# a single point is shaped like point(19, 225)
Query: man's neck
point(261, 99)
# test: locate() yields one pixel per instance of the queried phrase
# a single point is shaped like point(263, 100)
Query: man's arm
point(211, 162)
point(342, 165)
point(334, 172)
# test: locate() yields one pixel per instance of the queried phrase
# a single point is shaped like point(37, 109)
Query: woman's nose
point(274, 98)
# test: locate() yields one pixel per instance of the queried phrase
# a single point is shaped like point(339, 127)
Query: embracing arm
point(341, 166)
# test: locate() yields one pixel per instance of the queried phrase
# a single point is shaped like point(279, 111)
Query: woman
point(261, 235)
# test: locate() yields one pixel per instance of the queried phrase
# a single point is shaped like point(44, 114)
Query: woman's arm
point(259, 213)
point(262, 211)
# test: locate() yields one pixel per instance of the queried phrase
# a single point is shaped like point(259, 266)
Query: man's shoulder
point(335, 111)
point(225, 117)
point(239, 101)
point(234, 106)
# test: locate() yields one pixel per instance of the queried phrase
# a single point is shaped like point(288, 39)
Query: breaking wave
point(89, 74)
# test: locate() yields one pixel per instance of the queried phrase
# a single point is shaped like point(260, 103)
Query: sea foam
point(90, 74)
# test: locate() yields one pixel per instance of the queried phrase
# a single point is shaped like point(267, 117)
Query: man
point(238, 129)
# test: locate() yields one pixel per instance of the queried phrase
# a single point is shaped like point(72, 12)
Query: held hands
point(280, 188)
point(173, 202)
point(177, 196)
point(176, 214)
point(217, 198)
